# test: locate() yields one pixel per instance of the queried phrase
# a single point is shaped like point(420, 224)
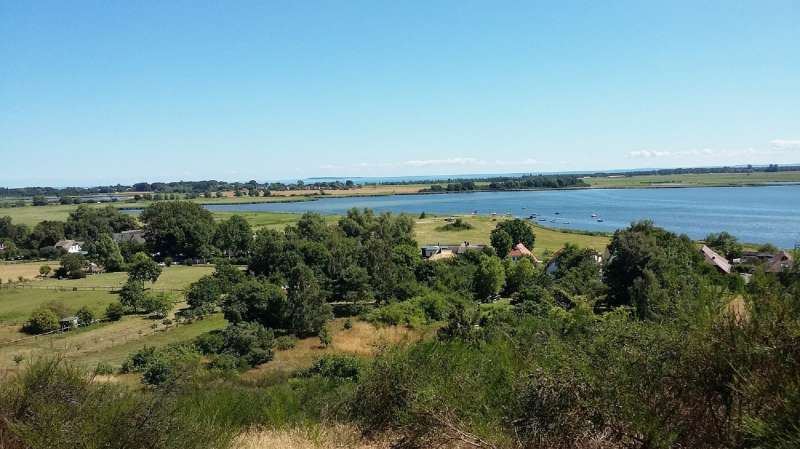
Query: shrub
point(103, 369)
point(41, 321)
point(115, 311)
point(285, 342)
point(335, 366)
point(85, 316)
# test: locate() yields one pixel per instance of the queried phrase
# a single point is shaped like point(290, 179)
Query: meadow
point(695, 180)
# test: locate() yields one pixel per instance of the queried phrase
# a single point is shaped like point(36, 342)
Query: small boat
point(594, 215)
point(558, 213)
point(542, 219)
point(566, 222)
point(600, 220)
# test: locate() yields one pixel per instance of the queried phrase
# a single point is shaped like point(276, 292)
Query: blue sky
point(106, 92)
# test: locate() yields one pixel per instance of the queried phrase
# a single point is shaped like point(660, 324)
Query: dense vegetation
point(649, 348)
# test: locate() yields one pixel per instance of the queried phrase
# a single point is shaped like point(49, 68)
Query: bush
point(115, 311)
point(85, 316)
point(41, 321)
point(103, 369)
point(336, 366)
point(285, 342)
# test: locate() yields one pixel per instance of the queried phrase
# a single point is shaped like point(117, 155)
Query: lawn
point(547, 239)
point(695, 180)
point(28, 270)
point(16, 304)
point(105, 342)
point(176, 277)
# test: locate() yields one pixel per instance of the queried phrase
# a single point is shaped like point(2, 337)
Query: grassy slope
point(28, 270)
point(174, 277)
point(16, 304)
point(699, 180)
point(547, 239)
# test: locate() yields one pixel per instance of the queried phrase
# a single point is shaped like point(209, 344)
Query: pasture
point(695, 180)
point(26, 270)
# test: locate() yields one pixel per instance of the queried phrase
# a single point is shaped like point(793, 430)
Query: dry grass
point(316, 437)
point(363, 339)
point(28, 270)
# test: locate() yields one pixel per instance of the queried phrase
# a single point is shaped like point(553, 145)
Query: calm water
point(754, 214)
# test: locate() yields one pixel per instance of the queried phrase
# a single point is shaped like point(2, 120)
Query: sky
point(106, 92)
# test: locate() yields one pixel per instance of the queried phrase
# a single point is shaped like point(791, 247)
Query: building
point(439, 251)
point(780, 262)
point(719, 262)
point(132, 236)
point(69, 322)
point(70, 246)
point(519, 251)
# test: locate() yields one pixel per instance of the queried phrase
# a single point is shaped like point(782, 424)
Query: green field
point(16, 304)
point(698, 180)
point(175, 277)
point(547, 240)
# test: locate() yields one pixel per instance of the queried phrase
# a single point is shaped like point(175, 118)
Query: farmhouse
point(719, 262)
point(132, 236)
point(519, 251)
point(439, 251)
point(70, 246)
point(780, 262)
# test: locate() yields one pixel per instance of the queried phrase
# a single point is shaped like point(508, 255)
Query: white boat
point(594, 215)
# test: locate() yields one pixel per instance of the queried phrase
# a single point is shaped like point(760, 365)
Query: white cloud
point(785, 143)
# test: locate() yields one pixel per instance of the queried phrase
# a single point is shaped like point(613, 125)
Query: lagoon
point(753, 214)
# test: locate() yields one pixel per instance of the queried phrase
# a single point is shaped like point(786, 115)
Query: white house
point(70, 246)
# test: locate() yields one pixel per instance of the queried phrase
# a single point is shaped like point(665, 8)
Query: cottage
point(132, 236)
point(780, 262)
point(70, 246)
point(439, 251)
point(714, 259)
point(519, 251)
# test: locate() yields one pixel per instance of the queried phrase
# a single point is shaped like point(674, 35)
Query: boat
point(600, 220)
point(558, 213)
point(594, 215)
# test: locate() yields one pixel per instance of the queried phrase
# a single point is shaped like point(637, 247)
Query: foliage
point(502, 242)
point(178, 228)
point(725, 244)
point(132, 295)
point(520, 231)
point(490, 277)
point(115, 311)
point(250, 343)
point(105, 252)
point(91, 223)
point(334, 366)
point(42, 320)
point(158, 304)
point(234, 236)
point(85, 316)
point(143, 268)
point(459, 224)
point(72, 266)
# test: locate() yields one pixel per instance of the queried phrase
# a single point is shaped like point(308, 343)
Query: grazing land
point(28, 270)
point(176, 277)
point(547, 240)
point(695, 180)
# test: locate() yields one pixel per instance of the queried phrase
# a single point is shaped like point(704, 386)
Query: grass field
point(699, 180)
point(547, 239)
point(172, 278)
point(28, 270)
point(16, 304)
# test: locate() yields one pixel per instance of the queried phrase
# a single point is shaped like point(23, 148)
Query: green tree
point(254, 300)
point(307, 310)
point(72, 266)
point(325, 337)
point(521, 274)
point(178, 228)
point(46, 233)
point(157, 304)
point(42, 320)
point(520, 232)
point(204, 295)
point(115, 311)
point(143, 269)
point(85, 316)
point(132, 295)
point(234, 236)
point(725, 244)
point(44, 271)
point(39, 200)
point(250, 342)
point(489, 277)
point(501, 241)
point(105, 252)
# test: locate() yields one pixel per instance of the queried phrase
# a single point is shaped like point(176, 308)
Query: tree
point(725, 244)
point(501, 241)
point(85, 316)
point(39, 200)
point(325, 338)
point(72, 266)
point(307, 310)
point(115, 311)
point(46, 233)
point(42, 320)
point(44, 271)
point(520, 275)
point(143, 268)
point(10, 250)
point(520, 232)
point(252, 343)
point(90, 223)
point(489, 277)
point(257, 301)
point(204, 295)
point(157, 304)
point(178, 228)
point(132, 295)
point(105, 252)
point(234, 236)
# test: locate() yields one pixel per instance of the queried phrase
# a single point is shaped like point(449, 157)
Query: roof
point(67, 243)
point(780, 262)
point(132, 236)
point(715, 259)
point(520, 250)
